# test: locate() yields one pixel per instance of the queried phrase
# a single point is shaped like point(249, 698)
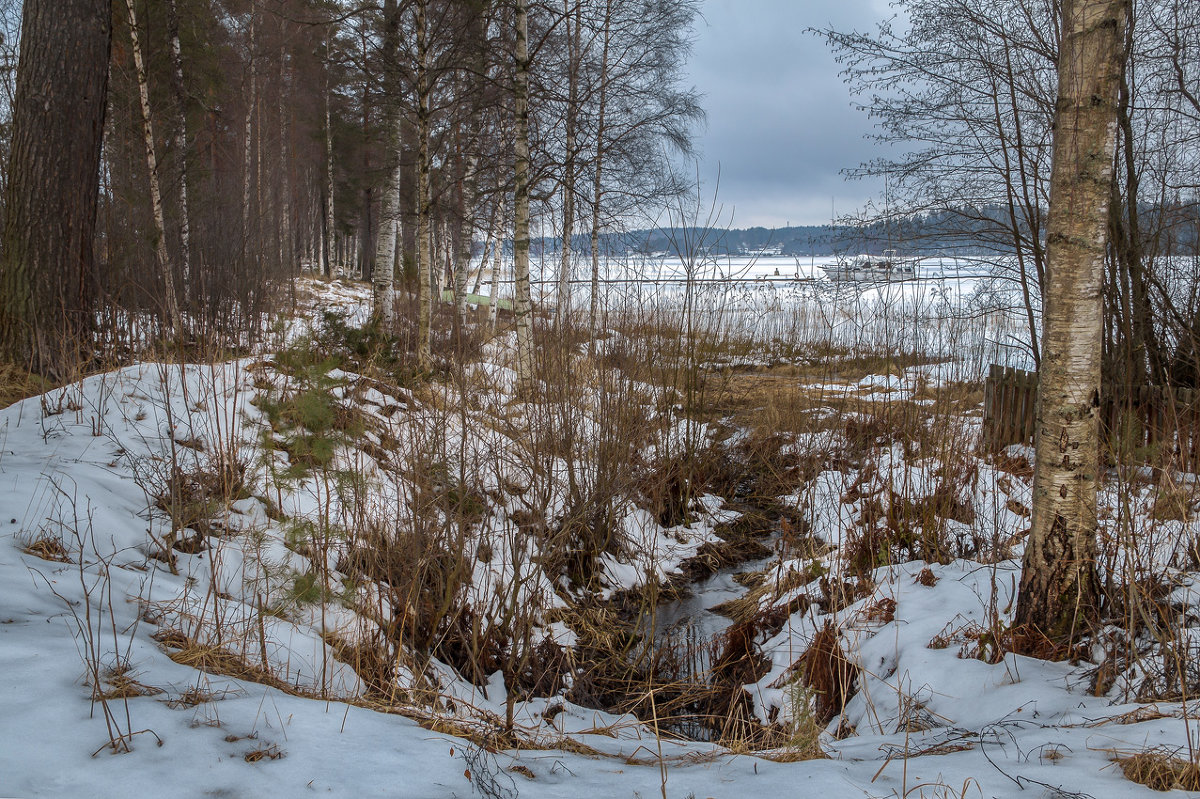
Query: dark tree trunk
point(46, 269)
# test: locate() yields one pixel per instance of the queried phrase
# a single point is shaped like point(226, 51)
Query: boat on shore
point(885, 268)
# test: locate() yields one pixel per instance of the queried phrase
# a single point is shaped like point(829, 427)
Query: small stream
point(691, 637)
point(694, 614)
point(690, 625)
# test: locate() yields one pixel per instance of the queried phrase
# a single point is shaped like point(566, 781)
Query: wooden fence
point(1143, 424)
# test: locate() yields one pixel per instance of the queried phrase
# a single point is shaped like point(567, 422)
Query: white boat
point(884, 268)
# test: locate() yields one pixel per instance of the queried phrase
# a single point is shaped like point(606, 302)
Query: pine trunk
point(425, 259)
point(46, 292)
point(286, 245)
point(248, 139)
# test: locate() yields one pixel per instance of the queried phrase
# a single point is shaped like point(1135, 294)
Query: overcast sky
point(780, 121)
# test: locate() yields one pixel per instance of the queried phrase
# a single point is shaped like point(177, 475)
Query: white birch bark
point(598, 186)
point(383, 276)
point(462, 261)
point(497, 263)
point(328, 249)
point(185, 225)
point(522, 301)
point(569, 170)
point(1059, 590)
point(160, 227)
point(248, 137)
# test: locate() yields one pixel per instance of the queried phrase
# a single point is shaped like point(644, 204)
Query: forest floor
point(307, 570)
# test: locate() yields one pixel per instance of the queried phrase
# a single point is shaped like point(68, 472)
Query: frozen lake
point(966, 309)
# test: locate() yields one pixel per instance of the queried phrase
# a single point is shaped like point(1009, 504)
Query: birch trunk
point(248, 139)
point(522, 302)
point(328, 249)
point(462, 265)
point(597, 187)
point(181, 149)
point(160, 226)
point(286, 245)
point(1059, 593)
point(497, 263)
point(487, 248)
point(569, 170)
point(383, 278)
point(383, 275)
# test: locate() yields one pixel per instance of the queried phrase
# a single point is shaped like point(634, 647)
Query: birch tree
point(181, 139)
point(598, 165)
point(522, 300)
point(573, 22)
point(383, 277)
point(328, 221)
point(163, 260)
point(1059, 593)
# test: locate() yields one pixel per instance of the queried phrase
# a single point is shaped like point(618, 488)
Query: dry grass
point(790, 398)
point(766, 594)
point(48, 546)
point(18, 384)
point(1173, 500)
point(926, 578)
point(191, 697)
point(272, 752)
point(1135, 716)
point(1160, 770)
point(122, 686)
point(424, 570)
point(373, 665)
point(216, 660)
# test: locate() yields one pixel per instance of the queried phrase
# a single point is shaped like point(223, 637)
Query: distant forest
point(960, 232)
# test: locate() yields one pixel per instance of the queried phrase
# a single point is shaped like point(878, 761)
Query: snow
point(82, 465)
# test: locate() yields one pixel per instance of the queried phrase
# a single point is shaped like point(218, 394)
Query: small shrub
point(1172, 501)
point(828, 674)
point(804, 731)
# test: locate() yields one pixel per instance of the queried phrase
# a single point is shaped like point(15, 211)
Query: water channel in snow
point(690, 624)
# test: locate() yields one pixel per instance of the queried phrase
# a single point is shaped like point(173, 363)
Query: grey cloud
point(780, 121)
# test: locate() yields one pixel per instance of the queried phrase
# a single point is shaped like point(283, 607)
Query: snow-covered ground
point(87, 596)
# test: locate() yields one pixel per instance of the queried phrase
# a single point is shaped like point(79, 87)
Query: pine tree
point(46, 272)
